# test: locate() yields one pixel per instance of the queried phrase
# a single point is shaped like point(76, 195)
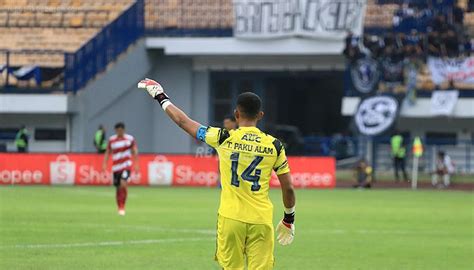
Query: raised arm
point(176, 114)
point(182, 120)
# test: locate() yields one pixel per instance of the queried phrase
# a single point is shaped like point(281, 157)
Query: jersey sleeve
point(281, 165)
point(212, 136)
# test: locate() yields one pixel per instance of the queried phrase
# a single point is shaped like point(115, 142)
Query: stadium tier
point(188, 14)
point(41, 37)
point(404, 37)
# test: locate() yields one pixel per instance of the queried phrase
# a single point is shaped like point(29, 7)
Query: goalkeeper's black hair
point(120, 125)
point(249, 105)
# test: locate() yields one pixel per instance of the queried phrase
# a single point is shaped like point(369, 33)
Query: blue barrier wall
point(97, 53)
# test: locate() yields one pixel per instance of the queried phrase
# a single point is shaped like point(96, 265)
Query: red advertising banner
point(165, 170)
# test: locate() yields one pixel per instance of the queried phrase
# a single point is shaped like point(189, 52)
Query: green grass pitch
point(174, 228)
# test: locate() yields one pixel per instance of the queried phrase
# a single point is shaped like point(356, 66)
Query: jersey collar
point(249, 128)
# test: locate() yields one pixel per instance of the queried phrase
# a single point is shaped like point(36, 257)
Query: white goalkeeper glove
point(286, 229)
point(156, 91)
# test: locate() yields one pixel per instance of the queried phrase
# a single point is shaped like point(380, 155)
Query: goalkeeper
point(247, 157)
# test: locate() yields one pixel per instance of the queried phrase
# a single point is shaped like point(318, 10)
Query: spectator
point(411, 68)
point(100, 141)
point(434, 44)
point(392, 70)
point(439, 23)
point(443, 6)
point(339, 146)
point(451, 85)
point(467, 47)
point(451, 44)
point(389, 40)
point(372, 44)
point(444, 169)
point(464, 137)
point(21, 140)
point(425, 16)
point(413, 44)
point(352, 50)
point(362, 174)
point(458, 18)
point(398, 146)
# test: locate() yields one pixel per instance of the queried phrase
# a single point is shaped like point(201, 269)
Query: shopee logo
point(21, 177)
point(62, 171)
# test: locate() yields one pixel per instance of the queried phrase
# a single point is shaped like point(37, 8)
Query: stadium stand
point(42, 37)
point(68, 25)
point(401, 35)
point(379, 15)
point(188, 17)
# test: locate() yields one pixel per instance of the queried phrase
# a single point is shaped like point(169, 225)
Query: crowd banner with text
point(306, 18)
point(459, 70)
point(161, 170)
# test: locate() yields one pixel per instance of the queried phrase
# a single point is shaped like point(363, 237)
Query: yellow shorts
point(237, 240)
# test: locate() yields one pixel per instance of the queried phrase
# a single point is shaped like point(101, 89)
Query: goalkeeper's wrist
point(289, 210)
point(164, 100)
point(289, 215)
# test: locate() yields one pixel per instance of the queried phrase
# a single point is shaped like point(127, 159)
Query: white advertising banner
point(459, 70)
point(260, 19)
point(443, 102)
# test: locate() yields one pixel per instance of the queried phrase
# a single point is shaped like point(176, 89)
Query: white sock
point(446, 179)
point(434, 179)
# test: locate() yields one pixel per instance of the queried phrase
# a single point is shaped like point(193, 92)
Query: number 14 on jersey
point(251, 173)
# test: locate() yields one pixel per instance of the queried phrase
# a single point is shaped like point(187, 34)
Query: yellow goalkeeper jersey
point(247, 157)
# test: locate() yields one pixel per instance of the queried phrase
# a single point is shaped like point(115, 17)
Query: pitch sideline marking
point(98, 193)
point(388, 232)
point(314, 231)
point(108, 243)
point(131, 227)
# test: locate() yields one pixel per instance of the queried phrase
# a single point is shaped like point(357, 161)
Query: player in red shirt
point(122, 147)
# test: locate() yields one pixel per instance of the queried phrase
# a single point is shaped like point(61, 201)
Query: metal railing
point(378, 152)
